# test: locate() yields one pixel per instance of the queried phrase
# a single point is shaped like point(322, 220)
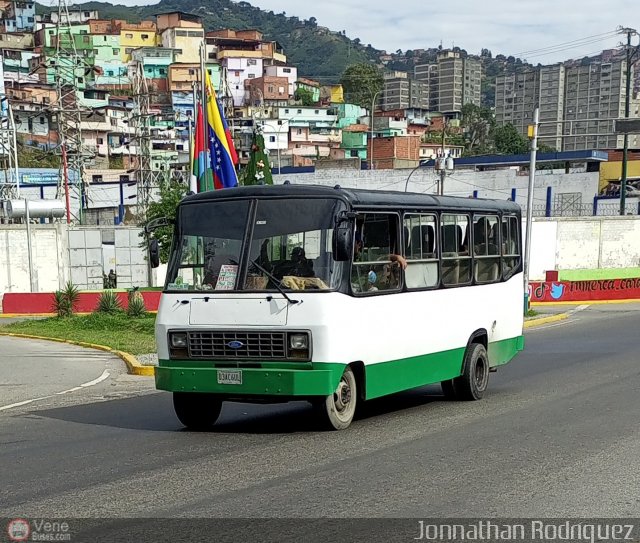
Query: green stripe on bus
point(321, 379)
point(397, 375)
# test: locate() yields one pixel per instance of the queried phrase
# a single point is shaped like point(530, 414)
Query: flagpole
point(205, 132)
point(193, 180)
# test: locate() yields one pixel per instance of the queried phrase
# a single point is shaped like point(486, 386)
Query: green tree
point(509, 141)
point(304, 95)
point(171, 192)
point(257, 171)
point(477, 125)
point(361, 82)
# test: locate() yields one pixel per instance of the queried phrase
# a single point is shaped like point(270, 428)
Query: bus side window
point(486, 253)
point(376, 239)
point(510, 244)
point(456, 260)
point(421, 251)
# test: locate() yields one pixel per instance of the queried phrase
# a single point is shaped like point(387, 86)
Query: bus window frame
point(457, 213)
point(401, 287)
point(437, 247)
point(497, 257)
point(516, 269)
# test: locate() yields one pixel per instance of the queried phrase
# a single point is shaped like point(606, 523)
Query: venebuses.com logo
point(18, 529)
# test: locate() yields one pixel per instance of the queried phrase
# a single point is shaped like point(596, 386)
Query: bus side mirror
point(342, 242)
point(154, 253)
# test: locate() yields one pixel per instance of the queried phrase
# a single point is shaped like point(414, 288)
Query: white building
point(239, 70)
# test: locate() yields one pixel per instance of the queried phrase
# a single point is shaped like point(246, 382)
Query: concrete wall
point(585, 243)
point(81, 254)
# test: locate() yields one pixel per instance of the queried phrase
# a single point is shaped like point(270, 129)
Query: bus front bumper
point(321, 380)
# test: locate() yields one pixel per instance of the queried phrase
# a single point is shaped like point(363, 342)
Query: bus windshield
point(289, 246)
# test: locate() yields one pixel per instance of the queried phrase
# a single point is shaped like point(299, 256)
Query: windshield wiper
point(273, 278)
point(276, 282)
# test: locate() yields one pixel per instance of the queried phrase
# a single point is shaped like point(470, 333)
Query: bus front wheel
point(339, 408)
point(197, 410)
point(472, 384)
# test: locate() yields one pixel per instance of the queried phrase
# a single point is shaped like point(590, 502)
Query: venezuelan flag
point(222, 151)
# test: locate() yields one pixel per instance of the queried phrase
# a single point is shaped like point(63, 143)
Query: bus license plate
point(229, 377)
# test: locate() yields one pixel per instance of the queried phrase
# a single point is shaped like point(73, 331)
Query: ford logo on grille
point(235, 345)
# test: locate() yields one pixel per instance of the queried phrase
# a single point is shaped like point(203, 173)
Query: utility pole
point(146, 176)
point(8, 152)
point(533, 134)
point(71, 75)
point(625, 152)
point(373, 105)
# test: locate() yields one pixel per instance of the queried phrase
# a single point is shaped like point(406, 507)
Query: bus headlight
point(178, 340)
point(299, 342)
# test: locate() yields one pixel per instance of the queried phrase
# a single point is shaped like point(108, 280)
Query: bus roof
point(358, 197)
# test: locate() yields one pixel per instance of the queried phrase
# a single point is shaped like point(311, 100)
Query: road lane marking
point(105, 375)
point(10, 406)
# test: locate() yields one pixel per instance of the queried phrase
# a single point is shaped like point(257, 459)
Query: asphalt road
point(557, 435)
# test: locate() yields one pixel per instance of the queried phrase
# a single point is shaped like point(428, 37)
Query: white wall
point(568, 243)
point(81, 254)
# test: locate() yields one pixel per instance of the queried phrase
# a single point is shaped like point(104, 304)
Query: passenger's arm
point(399, 259)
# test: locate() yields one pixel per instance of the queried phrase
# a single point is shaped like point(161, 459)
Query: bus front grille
point(238, 345)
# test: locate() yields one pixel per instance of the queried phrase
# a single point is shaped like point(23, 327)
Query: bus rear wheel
point(197, 410)
point(472, 384)
point(339, 408)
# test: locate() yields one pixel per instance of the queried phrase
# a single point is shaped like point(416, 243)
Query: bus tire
point(472, 384)
point(339, 408)
point(197, 410)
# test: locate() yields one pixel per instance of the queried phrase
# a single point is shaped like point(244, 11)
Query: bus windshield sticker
point(227, 277)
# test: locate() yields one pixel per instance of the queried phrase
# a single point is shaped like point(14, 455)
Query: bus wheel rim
point(342, 396)
point(480, 373)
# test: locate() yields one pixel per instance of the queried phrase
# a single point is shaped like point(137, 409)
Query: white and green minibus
point(335, 296)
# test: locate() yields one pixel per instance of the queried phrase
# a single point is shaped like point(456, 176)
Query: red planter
point(42, 302)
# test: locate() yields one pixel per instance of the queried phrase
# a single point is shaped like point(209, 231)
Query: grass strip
point(116, 330)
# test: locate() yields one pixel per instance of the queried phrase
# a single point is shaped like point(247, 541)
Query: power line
point(571, 43)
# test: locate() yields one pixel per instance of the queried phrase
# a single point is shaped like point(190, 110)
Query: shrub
point(72, 294)
point(108, 302)
point(65, 300)
point(60, 304)
point(136, 307)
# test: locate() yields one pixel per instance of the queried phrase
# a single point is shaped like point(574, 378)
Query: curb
point(535, 322)
point(133, 366)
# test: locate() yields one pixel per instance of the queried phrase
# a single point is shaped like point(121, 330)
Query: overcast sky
point(510, 27)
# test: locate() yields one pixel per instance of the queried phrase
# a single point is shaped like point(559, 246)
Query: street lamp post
point(373, 105)
point(533, 133)
point(627, 106)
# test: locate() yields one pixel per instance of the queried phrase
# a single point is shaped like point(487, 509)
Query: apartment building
point(183, 32)
point(578, 101)
point(17, 16)
point(595, 97)
point(453, 82)
point(402, 92)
